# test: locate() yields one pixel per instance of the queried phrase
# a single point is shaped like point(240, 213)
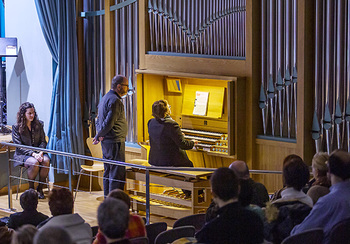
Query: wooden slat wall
point(270, 156)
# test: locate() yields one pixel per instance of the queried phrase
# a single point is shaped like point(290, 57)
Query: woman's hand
point(38, 156)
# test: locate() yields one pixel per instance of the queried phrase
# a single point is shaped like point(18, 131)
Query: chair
point(195, 220)
point(139, 240)
point(171, 235)
point(96, 152)
point(154, 229)
point(340, 232)
point(144, 156)
point(94, 230)
point(312, 236)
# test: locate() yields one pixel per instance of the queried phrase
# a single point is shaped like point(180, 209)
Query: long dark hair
point(21, 116)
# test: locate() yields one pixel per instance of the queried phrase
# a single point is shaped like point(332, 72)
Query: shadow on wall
point(18, 87)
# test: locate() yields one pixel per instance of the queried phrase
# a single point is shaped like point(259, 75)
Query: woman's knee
point(31, 162)
point(46, 161)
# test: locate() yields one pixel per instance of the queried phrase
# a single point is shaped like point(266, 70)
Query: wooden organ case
point(218, 125)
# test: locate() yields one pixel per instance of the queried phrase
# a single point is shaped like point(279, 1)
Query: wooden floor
point(86, 205)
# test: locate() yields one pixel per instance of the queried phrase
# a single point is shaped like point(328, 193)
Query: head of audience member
point(339, 166)
point(295, 172)
point(52, 235)
point(319, 164)
point(120, 85)
point(241, 169)
point(160, 109)
point(5, 233)
point(224, 186)
point(246, 193)
point(60, 201)
point(29, 200)
point(121, 195)
point(113, 218)
point(24, 234)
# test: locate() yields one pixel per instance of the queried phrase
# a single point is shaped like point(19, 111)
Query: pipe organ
point(216, 122)
point(210, 109)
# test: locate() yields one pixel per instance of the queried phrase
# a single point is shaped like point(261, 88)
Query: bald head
point(241, 169)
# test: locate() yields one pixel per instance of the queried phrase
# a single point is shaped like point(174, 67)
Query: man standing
point(335, 206)
point(112, 129)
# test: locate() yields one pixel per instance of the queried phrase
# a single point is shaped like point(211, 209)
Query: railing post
point(70, 174)
point(147, 198)
point(9, 188)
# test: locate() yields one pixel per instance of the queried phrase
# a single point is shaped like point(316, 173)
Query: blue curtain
point(2, 20)
point(58, 23)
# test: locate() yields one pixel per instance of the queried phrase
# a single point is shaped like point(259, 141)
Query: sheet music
point(201, 103)
point(11, 50)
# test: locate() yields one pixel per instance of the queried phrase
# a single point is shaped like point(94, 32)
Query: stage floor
point(86, 205)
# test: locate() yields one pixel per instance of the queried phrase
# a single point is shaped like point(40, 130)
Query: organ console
point(217, 126)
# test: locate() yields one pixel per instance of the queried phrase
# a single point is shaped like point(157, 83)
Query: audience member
point(277, 194)
point(53, 235)
point(259, 193)
point(5, 233)
point(246, 196)
point(335, 206)
point(29, 203)
point(319, 185)
point(61, 207)
point(233, 224)
point(293, 206)
point(113, 218)
point(24, 235)
point(136, 227)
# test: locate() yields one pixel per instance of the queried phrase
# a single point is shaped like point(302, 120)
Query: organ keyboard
point(207, 140)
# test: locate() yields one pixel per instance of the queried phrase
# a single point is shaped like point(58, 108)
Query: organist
point(167, 141)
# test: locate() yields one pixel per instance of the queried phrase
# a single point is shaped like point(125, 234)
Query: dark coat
point(35, 138)
point(111, 123)
point(168, 144)
point(33, 217)
point(233, 224)
point(289, 214)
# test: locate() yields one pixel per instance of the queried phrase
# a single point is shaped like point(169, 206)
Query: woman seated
point(293, 206)
point(29, 131)
point(319, 185)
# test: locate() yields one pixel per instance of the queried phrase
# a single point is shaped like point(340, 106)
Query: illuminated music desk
point(170, 205)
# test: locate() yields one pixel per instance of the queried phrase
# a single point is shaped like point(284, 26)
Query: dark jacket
point(259, 198)
point(233, 224)
point(33, 217)
point(168, 143)
point(35, 138)
point(111, 123)
point(285, 215)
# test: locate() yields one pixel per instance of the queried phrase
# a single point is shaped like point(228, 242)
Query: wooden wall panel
point(270, 156)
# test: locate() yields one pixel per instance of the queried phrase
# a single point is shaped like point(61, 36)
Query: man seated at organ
point(167, 141)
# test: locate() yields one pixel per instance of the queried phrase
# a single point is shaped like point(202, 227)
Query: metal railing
point(78, 156)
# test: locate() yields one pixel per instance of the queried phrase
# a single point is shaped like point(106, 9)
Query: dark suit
point(34, 138)
point(111, 124)
point(168, 144)
point(32, 217)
